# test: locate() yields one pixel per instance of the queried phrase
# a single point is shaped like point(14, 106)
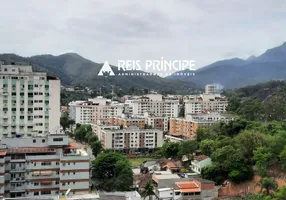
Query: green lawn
point(136, 162)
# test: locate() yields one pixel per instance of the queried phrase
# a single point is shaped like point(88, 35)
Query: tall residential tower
point(29, 101)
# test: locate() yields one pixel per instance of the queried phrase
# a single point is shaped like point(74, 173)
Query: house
point(149, 166)
point(172, 166)
point(188, 189)
point(200, 162)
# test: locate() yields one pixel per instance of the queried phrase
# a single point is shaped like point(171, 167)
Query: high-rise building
point(39, 166)
point(29, 101)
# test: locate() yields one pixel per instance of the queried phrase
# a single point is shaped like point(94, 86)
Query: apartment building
point(94, 110)
point(132, 140)
point(97, 128)
point(41, 166)
point(154, 104)
point(127, 122)
point(206, 102)
point(187, 127)
point(29, 101)
point(156, 122)
point(211, 89)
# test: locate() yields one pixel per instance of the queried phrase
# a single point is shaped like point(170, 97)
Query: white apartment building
point(154, 104)
point(41, 166)
point(206, 102)
point(29, 101)
point(94, 110)
point(132, 140)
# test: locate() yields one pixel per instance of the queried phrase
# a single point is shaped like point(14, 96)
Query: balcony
point(19, 179)
point(18, 170)
point(21, 188)
point(17, 159)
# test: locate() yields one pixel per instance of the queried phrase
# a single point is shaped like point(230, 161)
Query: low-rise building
point(172, 187)
point(40, 166)
point(199, 162)
point(132, 140)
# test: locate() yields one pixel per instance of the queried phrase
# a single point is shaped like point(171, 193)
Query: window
point(58, 139)
point(45, 192)
point(43, 140)
point(34, 140)
point(46, 163)
point(36, 193)
point(36, 183)
point(57, 182)
point(57, 163)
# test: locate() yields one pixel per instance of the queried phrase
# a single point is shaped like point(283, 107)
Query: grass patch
point(136, 162)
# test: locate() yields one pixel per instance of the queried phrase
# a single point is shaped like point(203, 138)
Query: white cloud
point(113, 30)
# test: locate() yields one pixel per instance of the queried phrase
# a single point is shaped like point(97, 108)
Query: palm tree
point(148, 190)
point(268, 183)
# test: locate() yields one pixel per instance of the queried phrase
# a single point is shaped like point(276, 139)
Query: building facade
point(95, 110)
point(187, 127)
point(206, 102)
point(127, 122)
point(155, 105)
point(210, 89)
point(29, 101)
point(40, 166)
point(132, 140)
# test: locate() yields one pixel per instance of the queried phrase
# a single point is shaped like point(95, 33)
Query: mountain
point(73, 69)
point(234, 73)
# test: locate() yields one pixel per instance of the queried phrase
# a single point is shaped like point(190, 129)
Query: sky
point(110, 30)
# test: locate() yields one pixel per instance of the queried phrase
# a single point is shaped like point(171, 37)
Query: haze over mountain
point(234, 73)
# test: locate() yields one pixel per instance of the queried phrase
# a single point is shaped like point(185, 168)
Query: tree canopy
point(112, 172)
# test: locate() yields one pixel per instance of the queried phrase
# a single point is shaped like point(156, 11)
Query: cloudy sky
point(112, 30)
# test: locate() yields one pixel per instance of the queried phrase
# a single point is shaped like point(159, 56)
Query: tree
point(96, 147)
point(263, 158)
point(231, 162)
point(280, 194)
point(187, 147)
point(170, 149)
point(267, 183)
point(283, 157)
point(249, 140)
point(148, 190)
point(208, 146)
point(64, 120)
point(112, 172)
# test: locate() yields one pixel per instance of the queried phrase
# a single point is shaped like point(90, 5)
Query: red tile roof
point(200, 157)
point(187, 185)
